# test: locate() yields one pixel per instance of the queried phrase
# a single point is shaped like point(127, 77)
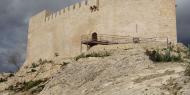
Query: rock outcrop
point(127, 70)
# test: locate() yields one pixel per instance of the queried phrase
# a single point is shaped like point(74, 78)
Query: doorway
point(94, 36)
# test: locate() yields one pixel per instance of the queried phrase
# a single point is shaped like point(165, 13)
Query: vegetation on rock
point(172, 86)
point(123, 66)
point(34, 65)
point(93, 54)
point(187, 71)
point(11, 75)
point(56, 54)
point(3, 80)
point(164, 55)
point(188, 51)
point(40, 62)
point(64, 64)
point(34, 86)
point(38, 89)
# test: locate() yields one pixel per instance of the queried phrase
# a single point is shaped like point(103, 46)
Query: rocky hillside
point(135, 69)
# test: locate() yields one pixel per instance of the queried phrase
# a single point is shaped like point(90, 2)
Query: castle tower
point(60, 32)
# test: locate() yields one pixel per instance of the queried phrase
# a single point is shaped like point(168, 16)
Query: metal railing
point(116, 39)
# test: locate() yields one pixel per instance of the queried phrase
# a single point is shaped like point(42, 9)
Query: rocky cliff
point(103, 70)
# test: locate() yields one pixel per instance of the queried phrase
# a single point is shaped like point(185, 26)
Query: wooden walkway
point(102, 39)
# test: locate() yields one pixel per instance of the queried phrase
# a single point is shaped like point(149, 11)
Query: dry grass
point(163, 55)
point(26, 86)
point(93, 54)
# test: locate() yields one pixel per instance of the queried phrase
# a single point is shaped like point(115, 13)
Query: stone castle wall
point(60, 32)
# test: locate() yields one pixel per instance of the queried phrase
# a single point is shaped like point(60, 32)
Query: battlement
point(46, 16)
point(38, 19)
point(83, 5)
point(61, 31)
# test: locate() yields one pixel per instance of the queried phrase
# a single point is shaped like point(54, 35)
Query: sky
point(183, 21)
point(15, 14)
point(14, 17)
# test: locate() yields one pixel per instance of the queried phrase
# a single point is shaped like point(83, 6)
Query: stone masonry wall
point(60, 32)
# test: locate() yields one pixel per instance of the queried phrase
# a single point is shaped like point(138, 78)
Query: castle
point(61, 32)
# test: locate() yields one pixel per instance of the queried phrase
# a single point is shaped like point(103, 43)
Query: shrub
point(33, 70)
point(127, 48)
point(176, 58)
point(170, 46)
point(30, 84)
point(10, 87)
point(11, 75)
point(93, 54)
point(80, 56)
point(56, 54)
point(41, 62)
point(3, 80)
point(187, 70)
point(38, 89)
point(188, 50)
point(154, 55)
point(64, 64)
point(25, 86)
point(34, 65)
point(163, 56)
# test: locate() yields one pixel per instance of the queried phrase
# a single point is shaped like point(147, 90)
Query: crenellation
point(92, 2)
point(59, 12)
point(51, 16)
point(69, 8)
point(79, 4)
point(86, 2)
point(83, 3)
point(62, 11)
point(46, 19)
point(74, 7)
point(66, 9)
point(61, 31)
point(54, 15)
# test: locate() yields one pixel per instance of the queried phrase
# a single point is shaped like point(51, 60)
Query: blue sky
point(14, 15)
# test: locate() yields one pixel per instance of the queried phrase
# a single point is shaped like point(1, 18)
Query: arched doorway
point(94, 36)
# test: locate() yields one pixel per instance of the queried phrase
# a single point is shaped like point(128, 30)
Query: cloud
point(183, 21)
point(14, 15)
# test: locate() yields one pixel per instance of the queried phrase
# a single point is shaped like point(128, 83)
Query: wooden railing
point(116, 39)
